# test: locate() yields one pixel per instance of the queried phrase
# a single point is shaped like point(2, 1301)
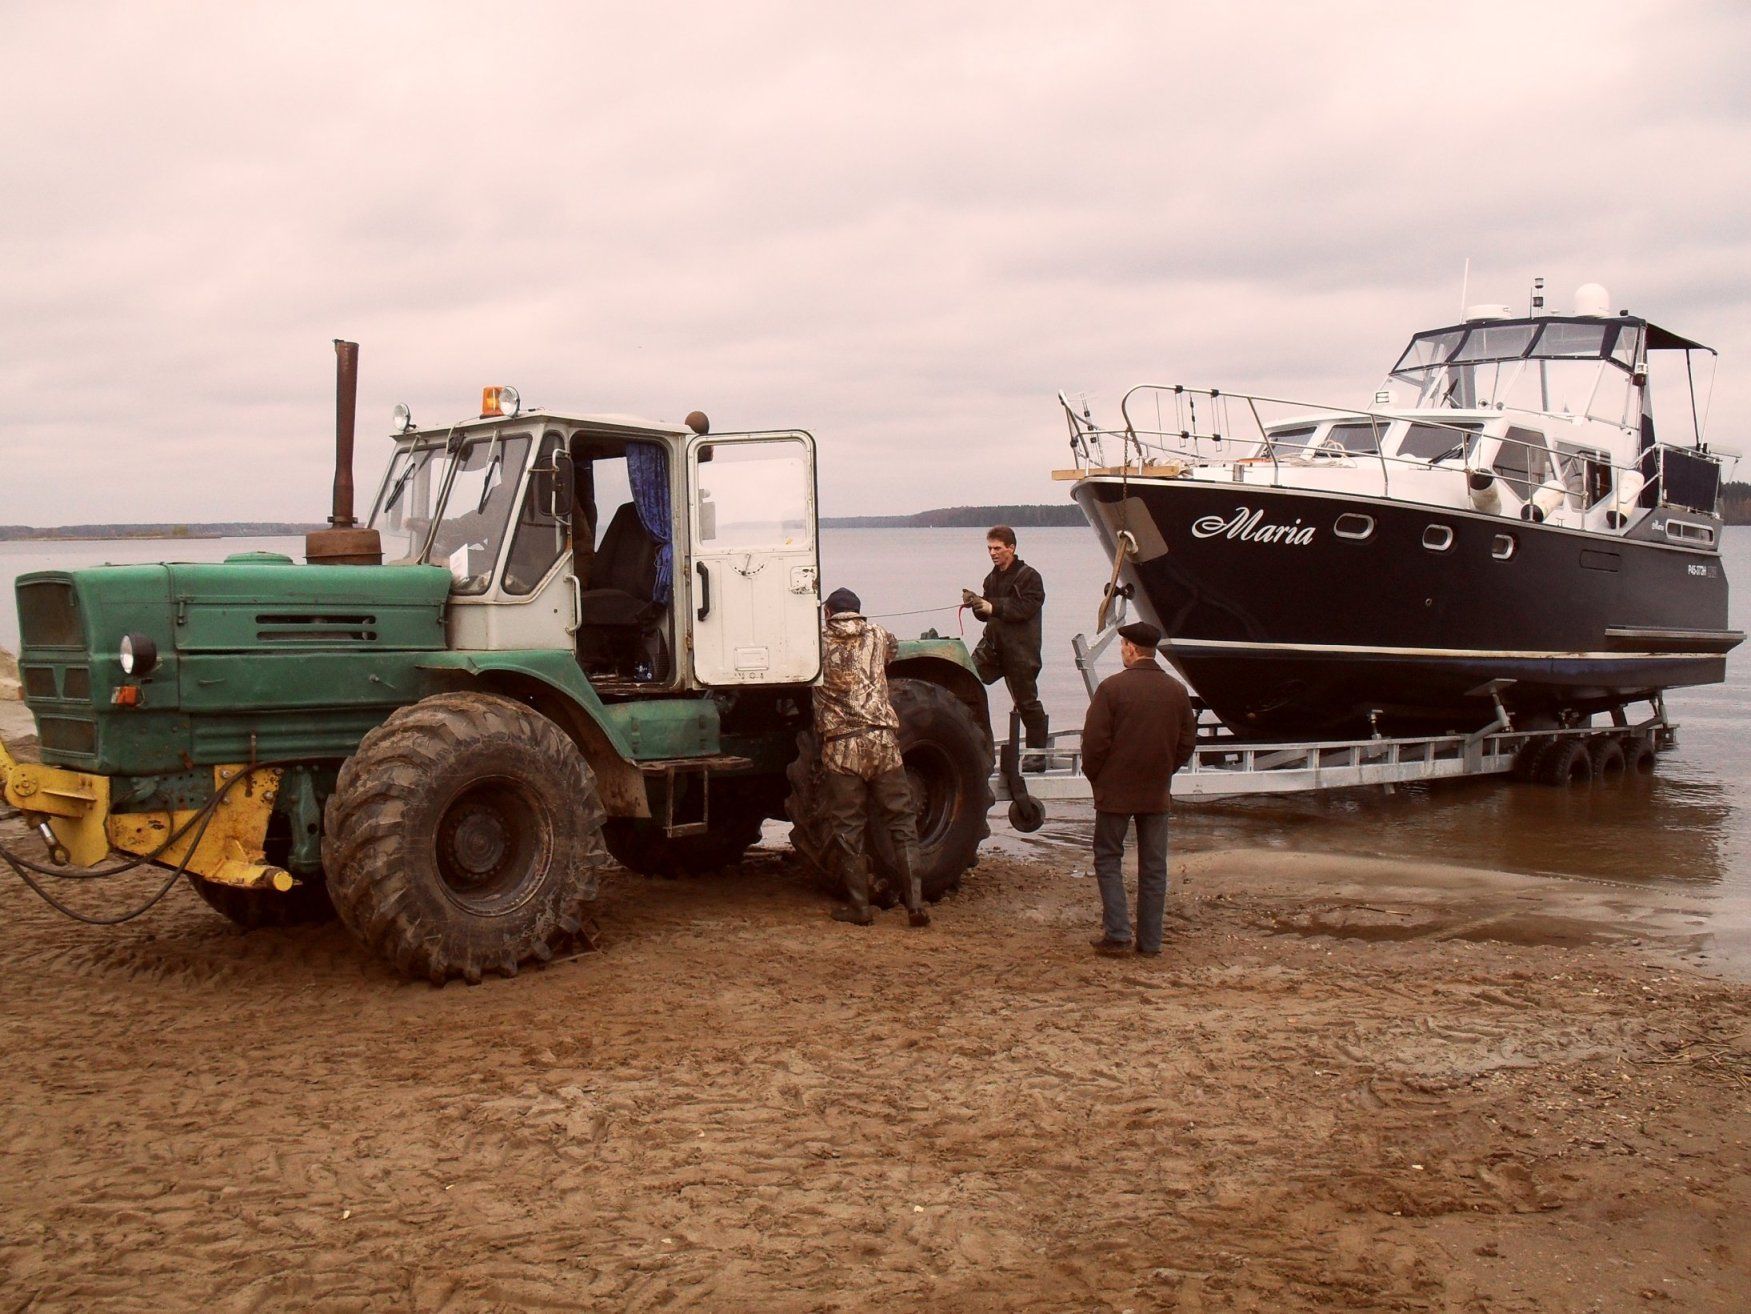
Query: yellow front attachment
point(229, 847)
point(74, 804)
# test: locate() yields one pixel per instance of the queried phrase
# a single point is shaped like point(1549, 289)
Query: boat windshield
point(1554, 366)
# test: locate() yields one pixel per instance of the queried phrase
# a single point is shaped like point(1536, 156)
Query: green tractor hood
point(240, 645)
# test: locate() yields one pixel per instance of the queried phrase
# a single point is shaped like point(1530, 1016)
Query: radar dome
point(1592, 299)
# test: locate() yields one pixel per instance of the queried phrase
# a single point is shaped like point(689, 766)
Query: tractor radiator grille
point(48, 616)
point(311, 627)
point(67, 736)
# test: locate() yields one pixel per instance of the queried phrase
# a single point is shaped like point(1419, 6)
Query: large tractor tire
point(305, 904)
point(464, 837)
point(948, 759)
point(641, 845)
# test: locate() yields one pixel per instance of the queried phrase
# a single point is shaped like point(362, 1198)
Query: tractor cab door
point(754, 559)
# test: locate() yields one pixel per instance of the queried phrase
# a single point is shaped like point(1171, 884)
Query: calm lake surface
point(1688, 830)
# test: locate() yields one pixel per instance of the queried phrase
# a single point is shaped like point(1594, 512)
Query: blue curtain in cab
point(647, 470)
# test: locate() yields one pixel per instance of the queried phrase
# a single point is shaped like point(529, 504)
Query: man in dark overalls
point(1010, 602)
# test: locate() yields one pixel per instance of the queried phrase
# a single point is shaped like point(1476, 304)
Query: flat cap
point(1141, 633)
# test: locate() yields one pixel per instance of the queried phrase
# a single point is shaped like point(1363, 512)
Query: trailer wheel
point(1639, 756)
point(305, 904)
point(1526, 760)
point(1609, 761)
point(948, 759)
point(464, 837)
point(641, 846)
point(1565, 762)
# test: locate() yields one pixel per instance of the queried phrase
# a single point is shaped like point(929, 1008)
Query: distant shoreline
point(954, 517)
point(120, 533)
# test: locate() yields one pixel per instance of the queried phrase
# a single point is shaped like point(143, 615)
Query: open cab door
point(754, 555)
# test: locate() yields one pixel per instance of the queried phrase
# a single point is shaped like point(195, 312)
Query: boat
point(1503, 531)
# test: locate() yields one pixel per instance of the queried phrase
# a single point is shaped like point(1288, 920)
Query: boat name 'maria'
point(1244, 525)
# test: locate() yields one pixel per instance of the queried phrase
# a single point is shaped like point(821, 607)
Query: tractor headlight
point(138, 654)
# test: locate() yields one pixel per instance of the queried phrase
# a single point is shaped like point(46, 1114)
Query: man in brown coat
point(1140, 730)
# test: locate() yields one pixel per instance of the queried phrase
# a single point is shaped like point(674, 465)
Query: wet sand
point(1348, 1084)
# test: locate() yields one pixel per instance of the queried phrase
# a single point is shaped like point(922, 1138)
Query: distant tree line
point(218, 529)
point(1736, 503)
point(967, 517)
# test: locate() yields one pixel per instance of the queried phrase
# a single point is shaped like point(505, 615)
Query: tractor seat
point(624, 574)
point(617, 610)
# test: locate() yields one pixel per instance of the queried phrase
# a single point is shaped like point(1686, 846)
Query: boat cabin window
point(1681, 531)
point(1554, 366)
point(1496, 342)
point(1286, 444)
point(1586, 474)
point(1436, 442)
point(1523, 461)
point(1562, 340)
point(1361, 438)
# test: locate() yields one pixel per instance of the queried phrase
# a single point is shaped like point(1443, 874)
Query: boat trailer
point(1226, 765)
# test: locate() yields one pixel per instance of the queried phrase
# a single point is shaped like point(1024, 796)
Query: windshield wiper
point(400, 486)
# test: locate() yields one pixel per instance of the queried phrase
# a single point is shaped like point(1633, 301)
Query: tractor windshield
point(450, 505)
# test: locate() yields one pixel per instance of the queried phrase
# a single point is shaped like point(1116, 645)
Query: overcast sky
point(901, 227)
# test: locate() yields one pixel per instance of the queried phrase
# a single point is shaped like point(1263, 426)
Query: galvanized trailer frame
point(1226, 765)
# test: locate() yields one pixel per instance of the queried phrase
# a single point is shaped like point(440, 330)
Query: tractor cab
point(669, 558)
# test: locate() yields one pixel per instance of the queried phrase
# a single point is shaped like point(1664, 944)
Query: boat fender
point(1623, 504)
point(1531, 512)
point(1550, 496)
point(1484, 494)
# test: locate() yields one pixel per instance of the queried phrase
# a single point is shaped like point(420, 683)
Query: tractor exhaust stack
point(344, 544)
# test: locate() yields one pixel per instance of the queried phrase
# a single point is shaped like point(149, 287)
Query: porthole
point(1504, 546)
point(1352, 525)
point(1438, 538)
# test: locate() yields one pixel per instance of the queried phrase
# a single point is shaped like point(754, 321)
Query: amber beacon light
point(499, 401)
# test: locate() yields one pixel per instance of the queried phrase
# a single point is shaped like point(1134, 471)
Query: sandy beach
point(1348, 1084)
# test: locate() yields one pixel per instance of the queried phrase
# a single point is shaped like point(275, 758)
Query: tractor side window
point(538, 538)
point(753, 495)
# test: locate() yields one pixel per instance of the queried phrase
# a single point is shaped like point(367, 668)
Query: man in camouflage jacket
point(860, 755)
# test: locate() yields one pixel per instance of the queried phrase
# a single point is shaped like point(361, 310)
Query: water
point(1688, 830)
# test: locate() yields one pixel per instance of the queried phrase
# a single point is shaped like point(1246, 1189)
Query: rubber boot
point(916, 913)
point(1038, 738)
point(856, 911)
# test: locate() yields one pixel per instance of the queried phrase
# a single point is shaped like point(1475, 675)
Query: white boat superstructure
point(1502, 509)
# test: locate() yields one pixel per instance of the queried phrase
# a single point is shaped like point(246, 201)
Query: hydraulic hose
point(22, 867)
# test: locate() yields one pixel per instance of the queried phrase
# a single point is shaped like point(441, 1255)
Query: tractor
point(557, 637)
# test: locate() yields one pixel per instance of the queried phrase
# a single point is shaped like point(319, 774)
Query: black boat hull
point(1287, 628)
